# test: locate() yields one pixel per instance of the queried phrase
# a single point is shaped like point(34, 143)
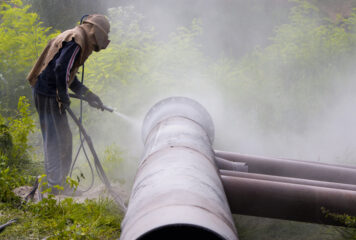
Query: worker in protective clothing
point(51, 76)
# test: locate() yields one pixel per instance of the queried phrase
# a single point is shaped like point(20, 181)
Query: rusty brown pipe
point(293, 168)
point(299, 181)
point(177, 192)
point(286, 200)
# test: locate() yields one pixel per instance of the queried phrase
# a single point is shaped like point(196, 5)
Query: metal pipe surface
point(224, 164)
point(287, 201)
point(293, 168)
point(233, 154)
point(299, 181)
point(178, 193)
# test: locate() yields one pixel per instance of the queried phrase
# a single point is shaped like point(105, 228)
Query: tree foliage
point(294, 78)
point(51, 12)
point(22, 38)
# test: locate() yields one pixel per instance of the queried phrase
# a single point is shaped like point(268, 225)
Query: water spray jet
point(107, 108)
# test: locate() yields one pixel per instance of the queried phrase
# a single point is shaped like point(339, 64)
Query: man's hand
point(63, 103)
point(94, 100)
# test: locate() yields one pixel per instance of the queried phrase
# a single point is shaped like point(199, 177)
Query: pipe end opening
point(181, 231)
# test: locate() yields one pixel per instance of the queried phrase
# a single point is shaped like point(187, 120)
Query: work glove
point(94, 100)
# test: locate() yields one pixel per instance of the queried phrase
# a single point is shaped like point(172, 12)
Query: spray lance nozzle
point(107, 108)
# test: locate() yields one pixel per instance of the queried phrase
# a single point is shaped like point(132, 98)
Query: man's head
point(101, 28)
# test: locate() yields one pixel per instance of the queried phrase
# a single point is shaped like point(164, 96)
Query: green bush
point(348, 233)
point(14, 151)
point(9, 180)
point(14, 132)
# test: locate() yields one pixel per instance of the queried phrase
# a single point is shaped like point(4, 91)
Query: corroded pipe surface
point(293, 168)
point(287, 201)
point(178, 193)
point(299, 181)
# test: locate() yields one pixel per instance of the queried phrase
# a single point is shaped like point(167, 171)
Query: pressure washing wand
point(98, 165)
point(107, 108)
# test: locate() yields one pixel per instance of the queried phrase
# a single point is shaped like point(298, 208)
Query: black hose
point(89, 163)
point(82, 19)
point(81, 146)
point(98, 166)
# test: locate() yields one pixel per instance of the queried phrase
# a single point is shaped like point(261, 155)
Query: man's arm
point(64, 64)
point(62, 69)
point(83, 92)
point(78, 88)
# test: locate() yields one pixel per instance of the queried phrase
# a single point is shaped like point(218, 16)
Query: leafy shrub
point(9, 180)
point(14, 132)
point(348, 233)
point(14, 151)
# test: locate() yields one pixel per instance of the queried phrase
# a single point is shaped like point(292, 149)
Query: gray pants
point(57, 139)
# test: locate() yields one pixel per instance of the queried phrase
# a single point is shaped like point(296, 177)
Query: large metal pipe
point(293, 168)
point(299, 181)
point(177, 192)
point(286, 200)
point(235, 154)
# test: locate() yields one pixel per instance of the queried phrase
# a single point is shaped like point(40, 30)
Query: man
point(52, 75)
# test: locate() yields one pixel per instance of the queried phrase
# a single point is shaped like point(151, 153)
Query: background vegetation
point(281, 71)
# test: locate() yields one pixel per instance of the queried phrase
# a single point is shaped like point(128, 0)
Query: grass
point(257, 228)
point(50, 219)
